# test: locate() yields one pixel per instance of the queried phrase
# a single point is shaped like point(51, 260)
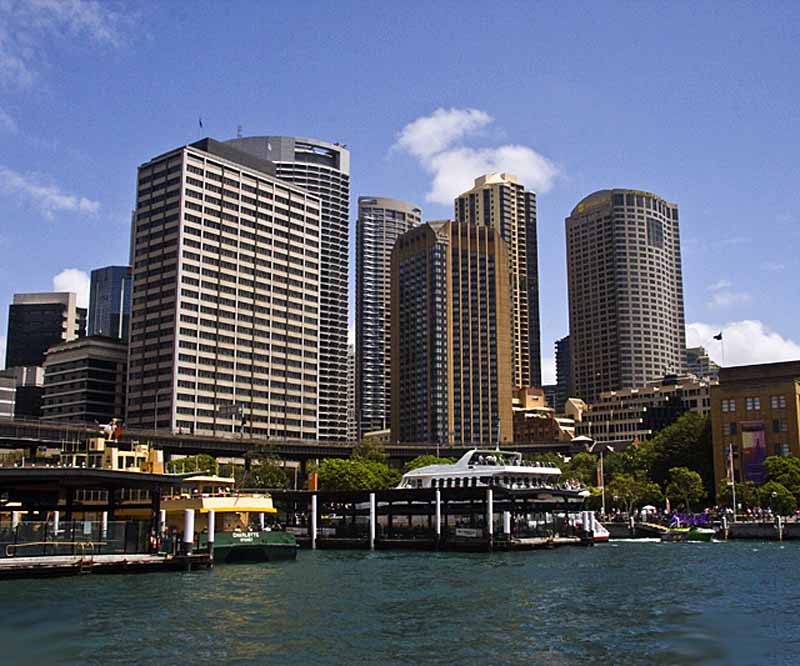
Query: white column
point(212, 527)
point(507, 523)
point(438, 513)
point(261, 520)
point(104, 525)
point(15, 517)
point(188, 530)
point(162, 520)
point(56, 516)
point(372, 518)
point(490, 511)
point(314, 522)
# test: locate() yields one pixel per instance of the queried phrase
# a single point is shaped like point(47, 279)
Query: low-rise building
point(84, 380)
point(755, 411)
point(637, 414)
point(699, 364)
point(535, 421)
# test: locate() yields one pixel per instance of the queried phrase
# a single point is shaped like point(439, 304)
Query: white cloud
point(437, 142)
point(720, 284)
point(746, 342)
point(48, 198)
point(549, 370)
point(76, 281)
point(724, 298)
point(7, 122)
point(432, 134)
point(26, 24)
point(774, 266)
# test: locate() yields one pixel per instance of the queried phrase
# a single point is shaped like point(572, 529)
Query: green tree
point(685, 443)
point(267, 469)
point(776, 496)
point(784, 470)
point(633, 490)
point(745, 494)
point(356, 474)
point(637, 459)
point(582, 467)
point(201, 463)
point(686, 485)
point(548, 459)
point(424, 461)
point(369, 448)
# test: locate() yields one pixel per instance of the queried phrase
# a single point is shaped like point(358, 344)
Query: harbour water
point(620, 603)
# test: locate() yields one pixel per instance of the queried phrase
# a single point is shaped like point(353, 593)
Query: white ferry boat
point(483, 468)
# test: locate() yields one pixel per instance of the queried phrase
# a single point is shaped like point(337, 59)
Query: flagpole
point(733, 479)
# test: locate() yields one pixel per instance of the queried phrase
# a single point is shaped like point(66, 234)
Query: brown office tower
point(224, 333)
point(626, 321)
point(451, 346)
point(500, 202)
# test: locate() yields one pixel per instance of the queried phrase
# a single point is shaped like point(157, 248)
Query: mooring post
point(725, 527)
point(162, 521)
point(372, 520)
point(438, 517)
point(779, 526)
point(188, 531)
point(314, 522)
point(490, 516)
point(507, 524)
point(15, 515)
point(104, 525)
point(211, 529)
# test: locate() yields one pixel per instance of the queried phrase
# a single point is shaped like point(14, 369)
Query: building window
point(752, 404)
point(729, 406)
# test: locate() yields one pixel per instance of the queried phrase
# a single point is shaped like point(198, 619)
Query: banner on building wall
point(754, 450)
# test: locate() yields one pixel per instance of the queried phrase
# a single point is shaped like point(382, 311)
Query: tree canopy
point(686, 485)
point(777, 497)
point(266, 470)
point(633, 490)
point(356, 474)
point(369, 448)
point(201, 463)
point(684, 443)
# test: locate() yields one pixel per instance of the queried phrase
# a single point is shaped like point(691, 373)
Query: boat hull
point(253, 546)
point(688, 534)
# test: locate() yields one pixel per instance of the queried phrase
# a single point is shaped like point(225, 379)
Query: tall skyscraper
point(626, 320)
point(225, 318)
point(499, 201)
point(36, 322)
point(110, 301)
point(451, 345)
point(381, 222)
point(322, 169)
point(352, 428)
point(564, 387)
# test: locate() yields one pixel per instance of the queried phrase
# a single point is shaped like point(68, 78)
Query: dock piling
point(372, 516)
point(188, 531)
point(314, 522)
point(438, 517)
point(211, 529)
point(490, 516)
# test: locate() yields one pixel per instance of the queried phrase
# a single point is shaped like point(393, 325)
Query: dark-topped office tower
point(322, 169)
point(225, 314)
point(501, 202)
point(451, 345)
point(110, 301)
point(36, 322)
point(564, 387)
point(626, 320)
point(381, 222)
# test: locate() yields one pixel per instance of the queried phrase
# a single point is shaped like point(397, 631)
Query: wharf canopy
point(225, 322)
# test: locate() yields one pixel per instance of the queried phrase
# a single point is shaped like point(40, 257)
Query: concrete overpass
point(18, 434)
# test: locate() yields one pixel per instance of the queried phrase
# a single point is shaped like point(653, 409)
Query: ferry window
point(449, 483)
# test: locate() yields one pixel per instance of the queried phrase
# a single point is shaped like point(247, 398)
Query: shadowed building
point(323, 169)
point(36, 322)
point(451, 370)
point(499, 201)
point(110, 301)
point(626, 319)
point(381, 222)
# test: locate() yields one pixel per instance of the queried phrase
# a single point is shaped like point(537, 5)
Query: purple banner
point(754, 450)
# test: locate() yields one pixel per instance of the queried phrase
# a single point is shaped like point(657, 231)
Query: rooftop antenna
point(238, 131)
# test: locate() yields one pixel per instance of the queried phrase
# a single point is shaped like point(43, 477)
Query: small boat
point(245, 528)
point(688, 534)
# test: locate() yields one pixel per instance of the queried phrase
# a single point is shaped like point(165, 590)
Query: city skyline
point(715, 138)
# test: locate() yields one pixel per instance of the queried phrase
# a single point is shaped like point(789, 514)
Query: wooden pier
point(456, 519)
point(74, 565)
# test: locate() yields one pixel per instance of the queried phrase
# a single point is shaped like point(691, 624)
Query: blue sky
point(697, 102)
